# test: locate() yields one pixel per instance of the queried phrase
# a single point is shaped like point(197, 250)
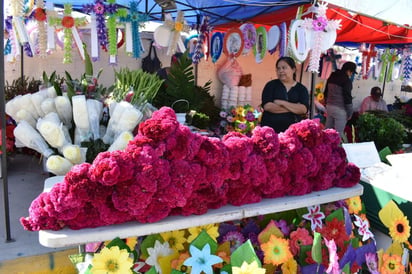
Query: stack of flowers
point(241, 119)
point(168, 170)
point(59, 127)
point(331, 238)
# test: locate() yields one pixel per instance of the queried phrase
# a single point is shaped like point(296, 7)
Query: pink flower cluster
point(168, 170)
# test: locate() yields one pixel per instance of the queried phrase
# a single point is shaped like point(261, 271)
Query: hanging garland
point(216, 46)
point(298, 41)
point(175, 28)
point(40, 16)
point(233, 43)
point(249, 36)
point(17, 12)
point(323, 35)
point(260, 47)
point(14, 49)
point(133, 19)
point(69, 25)
point(202, 39)
point(367, 55)
point(406, 66)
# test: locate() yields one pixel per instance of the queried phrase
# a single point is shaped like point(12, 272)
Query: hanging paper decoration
point(11, 40)
point(69, 24)
point(299, 41)
point(367, 55)
point(260, 47)
point(204, 31)
point(216, 46)
point(40, 16)
point(233, 43)
point(172, 29)
point(249, 36)
point(283, 39)
point(329, 63)
point(101, 31)
point(323, 35)
point(133, 20)
point(406, 66)
point(17, 8)
point(51, 32)
point(388, 59)
point(273, 38)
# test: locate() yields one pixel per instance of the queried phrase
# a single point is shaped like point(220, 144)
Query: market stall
point(232, 44)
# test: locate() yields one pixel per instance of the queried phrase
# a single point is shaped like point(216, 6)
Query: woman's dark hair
point(290, 62)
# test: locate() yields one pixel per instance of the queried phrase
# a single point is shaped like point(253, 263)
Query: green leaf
point(317, 247)
point(244, 253)
point(152, 270)
point(149, 241)
point(338, 214)
point(118, 242)
point(202, 239)
point(346, 268)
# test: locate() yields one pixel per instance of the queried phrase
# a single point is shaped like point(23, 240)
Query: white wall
point(261, 73)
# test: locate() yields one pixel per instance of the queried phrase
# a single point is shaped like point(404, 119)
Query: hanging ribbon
point(133, 20)
point(100, 31)
point(384, 63)
point(367, 55)
point(40, 16)
point(50, 13)
point(176, 27)
point(12, 40)
point(69, 23)
point(393, 58)
point(204, 29)
point(17, 12)
point(283, 40)
point(323, 33)
point(406, 66)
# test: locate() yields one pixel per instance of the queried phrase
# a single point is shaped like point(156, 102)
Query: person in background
point(284, 101)
point(338, 97)
point(373, 102)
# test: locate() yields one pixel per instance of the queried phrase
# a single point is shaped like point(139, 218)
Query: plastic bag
point(151, 64)
point(230, 72)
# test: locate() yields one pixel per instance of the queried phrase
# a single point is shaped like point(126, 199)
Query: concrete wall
point(207, 70)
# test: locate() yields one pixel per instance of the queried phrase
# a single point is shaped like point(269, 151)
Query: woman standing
point(284, 101)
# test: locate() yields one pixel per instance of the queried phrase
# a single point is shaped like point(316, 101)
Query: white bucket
point(181, 118)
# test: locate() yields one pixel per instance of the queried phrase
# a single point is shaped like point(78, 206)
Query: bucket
point(181, 116)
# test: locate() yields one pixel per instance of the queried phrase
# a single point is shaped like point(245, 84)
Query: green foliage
point(180, 84)
point(94, 147)
point(384, 131)
point(20, 86)
point(53, 80)
point(144, 86)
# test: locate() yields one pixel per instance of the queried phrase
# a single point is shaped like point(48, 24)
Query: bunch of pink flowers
point(168, 170)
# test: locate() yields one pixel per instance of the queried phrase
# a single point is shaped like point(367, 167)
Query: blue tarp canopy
point(219, 11)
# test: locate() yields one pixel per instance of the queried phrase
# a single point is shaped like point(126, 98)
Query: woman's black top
point(276, 90)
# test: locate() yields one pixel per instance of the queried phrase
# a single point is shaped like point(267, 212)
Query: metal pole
point(3, 137)
point(312, 89)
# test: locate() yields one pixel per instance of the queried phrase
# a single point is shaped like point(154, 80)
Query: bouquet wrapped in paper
point(81, 117)
point(31, 138)
point(64, 110)
point(121, 141)
point(95, 111)
point(74, 153)
point(48, 106)
point(37, 98)
point(58, 165)
point(53, 131)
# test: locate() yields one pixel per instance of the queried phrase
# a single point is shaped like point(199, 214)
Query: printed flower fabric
point(168, 170)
